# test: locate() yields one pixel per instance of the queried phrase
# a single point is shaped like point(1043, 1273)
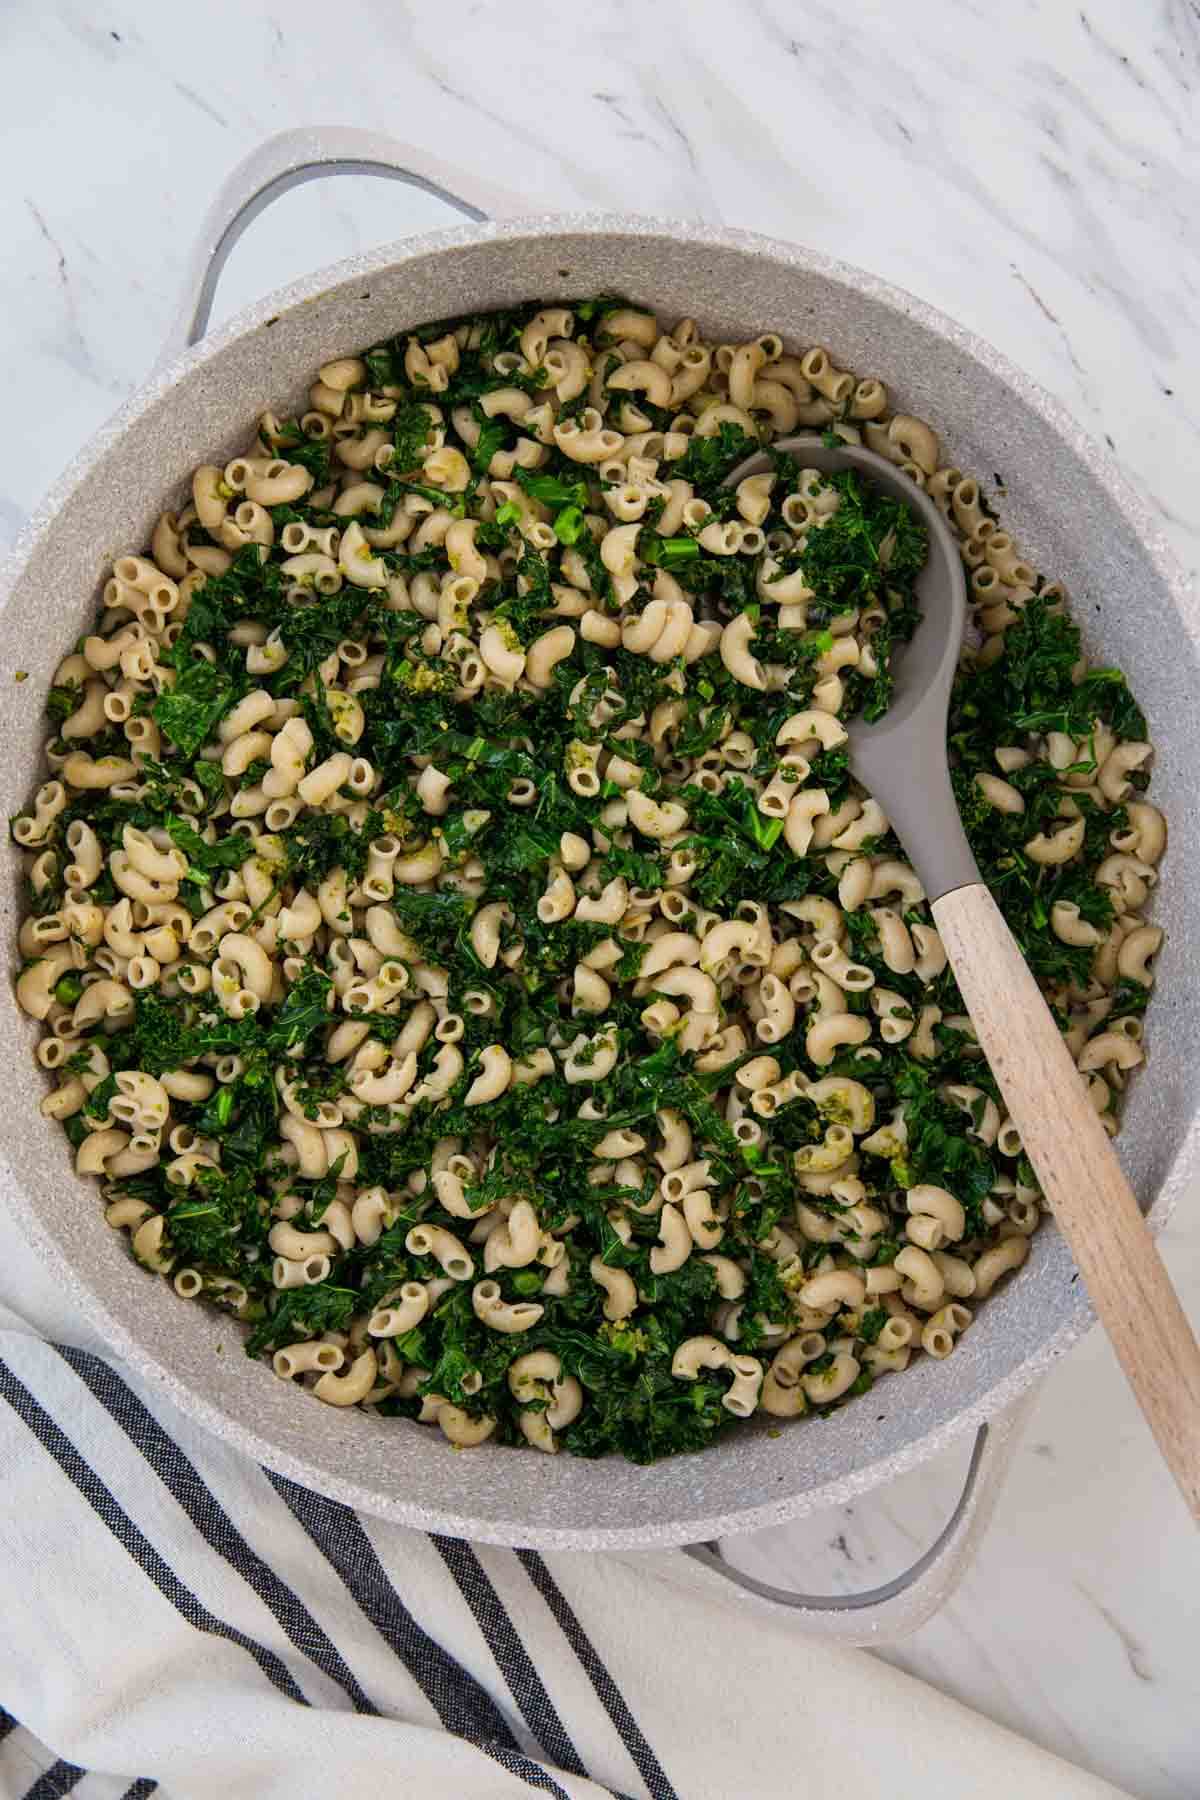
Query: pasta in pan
point(460, 948)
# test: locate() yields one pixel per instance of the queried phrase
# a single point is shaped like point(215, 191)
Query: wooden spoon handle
point(1080, 1176)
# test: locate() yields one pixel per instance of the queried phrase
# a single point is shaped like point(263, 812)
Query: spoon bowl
point(901, 759)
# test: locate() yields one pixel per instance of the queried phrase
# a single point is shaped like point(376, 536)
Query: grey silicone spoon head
point(901, 760)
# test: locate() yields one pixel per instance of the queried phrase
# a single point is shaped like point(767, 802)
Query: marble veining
point(1034, 172)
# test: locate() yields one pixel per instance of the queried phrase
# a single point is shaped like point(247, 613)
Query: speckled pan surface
point(1073, 514)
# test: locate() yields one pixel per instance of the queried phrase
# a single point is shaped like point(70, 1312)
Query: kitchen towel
point(176, 1621)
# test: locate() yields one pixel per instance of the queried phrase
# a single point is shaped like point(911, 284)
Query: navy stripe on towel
point(512, 1658)
point(463, 1704)
point(141, 1790)
point(530, 1772)
point(7, 1724)
point(55, 1441)
point(609, 1694)
point(184, 1483)
point(57, 1781)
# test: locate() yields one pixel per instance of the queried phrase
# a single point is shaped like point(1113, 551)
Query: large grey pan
point(1071, 512)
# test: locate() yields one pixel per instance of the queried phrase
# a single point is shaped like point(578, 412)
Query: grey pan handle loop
point(883, 1614)
point(292, 158)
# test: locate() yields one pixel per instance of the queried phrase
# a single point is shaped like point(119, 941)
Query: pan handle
point(883, 1614)
point(291, 158)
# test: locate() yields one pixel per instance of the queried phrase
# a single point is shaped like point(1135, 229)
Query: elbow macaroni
point(459, 872)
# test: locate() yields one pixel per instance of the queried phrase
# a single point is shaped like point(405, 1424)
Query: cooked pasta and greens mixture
point(462, 951)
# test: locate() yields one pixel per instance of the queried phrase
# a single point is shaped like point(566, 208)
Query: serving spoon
point(902, 761)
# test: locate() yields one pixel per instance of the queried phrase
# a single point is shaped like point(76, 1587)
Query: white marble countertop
point(1032, 170)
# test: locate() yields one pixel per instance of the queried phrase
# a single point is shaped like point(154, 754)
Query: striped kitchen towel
point(175, 1620)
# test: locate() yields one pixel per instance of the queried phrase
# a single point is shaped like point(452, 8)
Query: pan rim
point(1101, 464)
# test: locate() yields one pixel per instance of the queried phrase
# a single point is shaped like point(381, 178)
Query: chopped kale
point(459, 792)
point(870, 541)
point(708, 460)
point(189, 712)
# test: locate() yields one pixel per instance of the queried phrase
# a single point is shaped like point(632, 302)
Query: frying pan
point(1074, 516)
